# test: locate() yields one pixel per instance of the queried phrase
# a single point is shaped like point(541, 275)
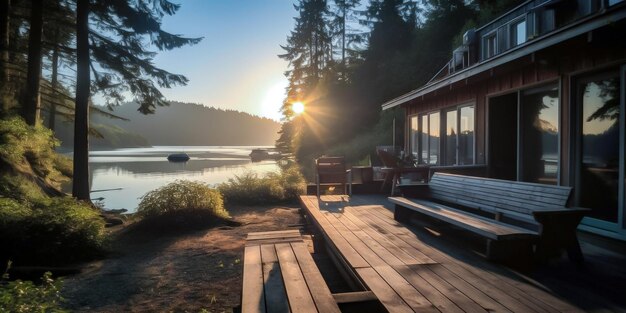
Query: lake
point(122, 176)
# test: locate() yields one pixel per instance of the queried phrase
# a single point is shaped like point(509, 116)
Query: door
point(599, 183)
point(503, 137)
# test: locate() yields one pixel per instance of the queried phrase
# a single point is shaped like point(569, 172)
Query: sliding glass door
point(599, 183)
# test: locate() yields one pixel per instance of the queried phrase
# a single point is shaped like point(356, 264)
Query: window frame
point(420, 130)
point(513, 31)
point(485, 40)
point(458, 108)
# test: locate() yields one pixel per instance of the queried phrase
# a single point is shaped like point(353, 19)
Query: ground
point(175, 272)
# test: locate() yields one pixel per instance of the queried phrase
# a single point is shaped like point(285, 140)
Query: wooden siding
point(561, 64)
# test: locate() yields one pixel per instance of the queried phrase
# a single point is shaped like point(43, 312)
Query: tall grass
point(182, 195)
point(250, 188)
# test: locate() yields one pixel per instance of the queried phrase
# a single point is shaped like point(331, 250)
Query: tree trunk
point(80, 186)
point(55, 82)
point(31, 105)
point(5, 8)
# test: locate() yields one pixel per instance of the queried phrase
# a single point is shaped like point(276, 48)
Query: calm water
point(133, 172)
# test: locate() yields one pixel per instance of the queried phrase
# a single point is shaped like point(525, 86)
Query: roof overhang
point(562, 34)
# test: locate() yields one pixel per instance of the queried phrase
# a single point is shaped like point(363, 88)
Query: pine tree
point(344, 11)
point(80, 183)
point(5, 22)
point(32, 105)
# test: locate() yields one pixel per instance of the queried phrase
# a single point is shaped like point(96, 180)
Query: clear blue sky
point(236, 65)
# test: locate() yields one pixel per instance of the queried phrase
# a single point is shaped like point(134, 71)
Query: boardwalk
point(408, 275)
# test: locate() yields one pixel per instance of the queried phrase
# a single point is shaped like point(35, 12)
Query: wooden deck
point(409, 275)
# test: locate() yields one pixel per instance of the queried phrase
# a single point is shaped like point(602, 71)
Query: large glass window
point(459, 136)
point(539, 122)
point(433, 134)
point(414, 137)
point(429, 139)
point(466, 135)
point(451, 134)
point(598, 157)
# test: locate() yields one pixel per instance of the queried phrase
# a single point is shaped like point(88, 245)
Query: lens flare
point(297, 108)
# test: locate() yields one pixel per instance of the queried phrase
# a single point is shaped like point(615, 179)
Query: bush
point(25, 297)
point(182, 195)
point(50, 231)
point(30, 149)
point(252, 189)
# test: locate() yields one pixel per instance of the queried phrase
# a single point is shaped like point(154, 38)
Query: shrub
point(182, 195)
point(51, 231)
point(253, 189)
point(28, 148)
point(25, 297)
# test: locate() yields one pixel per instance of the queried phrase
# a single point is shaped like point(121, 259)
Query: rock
point(113, 221)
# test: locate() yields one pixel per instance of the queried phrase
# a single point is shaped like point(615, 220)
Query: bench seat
point(279, 275)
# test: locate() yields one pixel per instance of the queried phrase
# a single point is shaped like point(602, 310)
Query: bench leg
point(402, 214)
point(558, 233)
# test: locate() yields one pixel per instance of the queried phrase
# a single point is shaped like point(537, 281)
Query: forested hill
point(187, 124)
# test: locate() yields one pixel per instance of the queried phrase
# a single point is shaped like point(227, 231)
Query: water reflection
point(137, 171)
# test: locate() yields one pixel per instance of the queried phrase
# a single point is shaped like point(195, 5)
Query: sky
point(236, 65)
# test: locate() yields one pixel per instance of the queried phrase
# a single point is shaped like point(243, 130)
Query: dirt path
point(174, 273)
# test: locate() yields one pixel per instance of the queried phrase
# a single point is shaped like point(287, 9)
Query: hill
point(180, 124)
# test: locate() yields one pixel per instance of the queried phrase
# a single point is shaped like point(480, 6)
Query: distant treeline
point(185, 124)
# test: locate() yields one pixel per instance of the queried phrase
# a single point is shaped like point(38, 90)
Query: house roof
point(570, 31)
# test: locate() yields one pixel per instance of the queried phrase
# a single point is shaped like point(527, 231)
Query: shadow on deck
point(599, 285)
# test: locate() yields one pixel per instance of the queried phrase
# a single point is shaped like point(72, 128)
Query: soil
point(174, 272)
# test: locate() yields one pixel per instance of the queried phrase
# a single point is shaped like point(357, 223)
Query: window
point(539, 127)
point(459, 136)
point(429, 139)
point(518, 33)
point(466, 135)
point(414, 137)
point(490, 45)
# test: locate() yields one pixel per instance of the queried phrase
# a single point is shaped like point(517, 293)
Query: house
point(536, 95)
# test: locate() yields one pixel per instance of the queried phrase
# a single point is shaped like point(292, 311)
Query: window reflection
point(466, 136)
point(451, 133)
point(433, 149)
point(539, 121)
point(424, 140)
point(414, 136)
point(599, 162)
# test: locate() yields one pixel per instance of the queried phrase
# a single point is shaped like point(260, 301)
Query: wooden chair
point(331, 171)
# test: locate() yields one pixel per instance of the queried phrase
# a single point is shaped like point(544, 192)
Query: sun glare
point(297, 108)
point(273, 100)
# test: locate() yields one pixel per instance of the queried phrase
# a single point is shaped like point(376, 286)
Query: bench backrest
point(331, 169)
point(514, 199)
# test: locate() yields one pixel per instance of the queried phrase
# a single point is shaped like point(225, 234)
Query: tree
point(80, 184)
point(112, 39)
point(339, 23)
point(5, 27)
point(31, 105)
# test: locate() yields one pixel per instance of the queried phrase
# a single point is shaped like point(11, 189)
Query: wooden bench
point(279, 275)
point(525, 214)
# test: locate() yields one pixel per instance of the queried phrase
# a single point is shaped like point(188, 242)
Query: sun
point(297, 108)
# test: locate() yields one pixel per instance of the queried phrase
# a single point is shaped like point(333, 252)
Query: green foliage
point(31, 149)
point(51, 231)
point(179, 196)
point(253, 189)
point(25, 297)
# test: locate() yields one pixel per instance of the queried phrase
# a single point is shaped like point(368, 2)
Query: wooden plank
point(342, 245)
point(505, 184)
point(268, 254)
point(393, 242)
point(488, 228)
point(252, 295)
point(359, 246)
point(317, 286)
point(355, 296)
point(274, 235)
point(275, 295)
point(523, 292)
point(385, 294)
point(271, 241)
point(445, 297)
point(300, 299)
point(405, 290)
